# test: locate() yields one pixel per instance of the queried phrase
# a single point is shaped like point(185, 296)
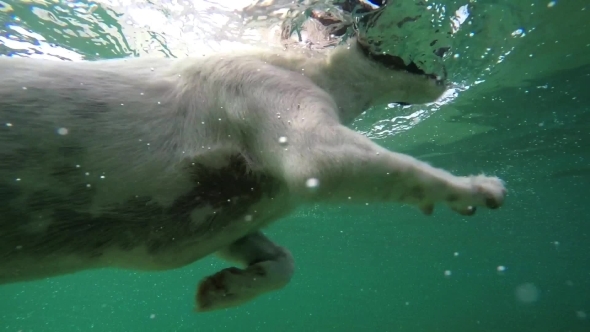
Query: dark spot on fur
point(8, 191)
point(71, 228)
point(88, 110)
point(21, 157)
point(231, 189)
point(81, 195)
point(417, 193)
point(8, 162)
point(154, 245)
point(43, 199)
point(453, 198)
point(68, 174)
point(70, 151)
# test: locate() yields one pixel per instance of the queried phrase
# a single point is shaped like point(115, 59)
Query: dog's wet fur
point(153, 163)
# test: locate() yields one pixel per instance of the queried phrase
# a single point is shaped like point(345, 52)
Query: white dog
point(153, 164)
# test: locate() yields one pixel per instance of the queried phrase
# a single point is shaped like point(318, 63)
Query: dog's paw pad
point(491, 191)
point(474, 191)
point(466, 211)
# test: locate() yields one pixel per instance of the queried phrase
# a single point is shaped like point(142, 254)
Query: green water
point(380, 267)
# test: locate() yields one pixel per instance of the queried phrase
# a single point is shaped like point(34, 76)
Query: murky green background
point(379, 267)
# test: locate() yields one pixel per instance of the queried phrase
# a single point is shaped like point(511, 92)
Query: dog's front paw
point(468, 193)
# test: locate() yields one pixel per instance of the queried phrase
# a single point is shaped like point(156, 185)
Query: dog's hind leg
point(268, 267)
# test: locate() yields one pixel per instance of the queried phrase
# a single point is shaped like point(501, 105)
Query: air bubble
point(527, 293)
point(62, 131)
point(312, 183)
point(283, 140)
point(518, 33)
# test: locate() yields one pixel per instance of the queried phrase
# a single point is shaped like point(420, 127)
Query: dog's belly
point(49, 230)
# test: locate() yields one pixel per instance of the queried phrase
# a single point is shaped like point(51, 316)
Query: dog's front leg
point(334, 163)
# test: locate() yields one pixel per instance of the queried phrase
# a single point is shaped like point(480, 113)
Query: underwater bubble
point(283, 140)
point(518, 32)
point(527, 293)
point(62, 131)
point(312, 183)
